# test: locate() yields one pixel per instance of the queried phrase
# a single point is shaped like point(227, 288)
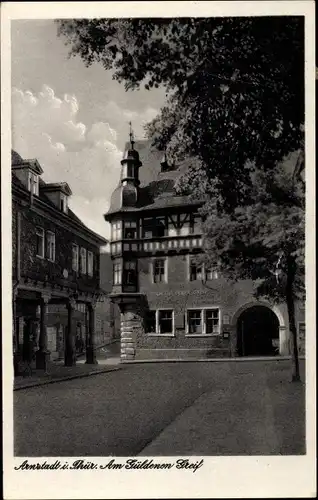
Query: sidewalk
point(58, 372)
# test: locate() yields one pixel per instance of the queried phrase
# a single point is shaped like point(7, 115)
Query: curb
point(65, 379)
point(205, 360)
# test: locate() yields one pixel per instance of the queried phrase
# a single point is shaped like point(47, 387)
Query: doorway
point(257, 332)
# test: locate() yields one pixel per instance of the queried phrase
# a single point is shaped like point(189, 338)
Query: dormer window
point(58, 194)
point(63, 203)
point(33, 183)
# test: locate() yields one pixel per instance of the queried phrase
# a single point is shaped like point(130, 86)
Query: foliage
point(235, 86)
point(255, 241)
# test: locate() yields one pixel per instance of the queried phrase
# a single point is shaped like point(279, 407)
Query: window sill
point(160, 334)
point(202, 334)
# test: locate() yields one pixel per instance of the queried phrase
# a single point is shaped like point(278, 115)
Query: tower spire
point(131, 136)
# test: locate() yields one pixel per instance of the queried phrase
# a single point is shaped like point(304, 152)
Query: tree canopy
point(235, 86)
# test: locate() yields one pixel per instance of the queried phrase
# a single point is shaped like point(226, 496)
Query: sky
point(73, 119)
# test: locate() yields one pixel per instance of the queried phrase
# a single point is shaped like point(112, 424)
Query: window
point(165, 321)
point(63, 203)
point(148, 227)
point(130, 230)
point(75, 260)
point(199, 271)
point(150, 322)
point(160, 227)
point(160, 322)
point(40, 242)
point(211, 274)
point(195, 321)
point(154, 227)
point(203, 321)
point(33, 183)
point(116, 231)
point(211, 321)
point(50, 246)
point(159, 268)
point(117, 273)
point(130, 275)
point(90, 263)
point(83, 263)
point(172, 225)
point(196, 270)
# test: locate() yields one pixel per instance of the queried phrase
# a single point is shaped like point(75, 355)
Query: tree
point(235, 86)
point(263, 241)
point(235, 104)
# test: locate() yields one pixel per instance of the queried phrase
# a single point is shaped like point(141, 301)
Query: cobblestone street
point(223, 408)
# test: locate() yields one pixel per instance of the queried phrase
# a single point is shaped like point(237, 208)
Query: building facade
point(55, 271)
point(171, 306)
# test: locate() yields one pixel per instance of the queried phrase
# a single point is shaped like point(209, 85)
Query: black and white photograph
point(159, 208)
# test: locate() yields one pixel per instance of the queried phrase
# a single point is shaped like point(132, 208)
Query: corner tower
point(130, 174)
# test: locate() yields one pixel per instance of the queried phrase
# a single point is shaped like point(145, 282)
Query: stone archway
point(260, 330)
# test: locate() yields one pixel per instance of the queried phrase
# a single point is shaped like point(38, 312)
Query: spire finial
point(131, 135)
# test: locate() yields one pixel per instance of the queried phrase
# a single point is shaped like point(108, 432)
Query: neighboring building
point(55, 270)
point(171, 307)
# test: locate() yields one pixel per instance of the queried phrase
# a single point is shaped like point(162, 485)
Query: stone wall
point(181, 294)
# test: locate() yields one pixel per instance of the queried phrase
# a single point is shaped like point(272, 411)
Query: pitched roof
point(42, 196)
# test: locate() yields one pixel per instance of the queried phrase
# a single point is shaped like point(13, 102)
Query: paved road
point(120, 413)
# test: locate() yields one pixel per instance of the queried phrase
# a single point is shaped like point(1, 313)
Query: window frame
point(40, 232)
point(48, 234)
point(117, 271)
point(207, 274)
point(157, 332)
point(90, 263)
point(64, 202)
point(204, 311)
point(165, 268)
point(76, 267)
point(130, 225)
point(117, 230)
point(81, 261)
point(127, 271)
point(33, 183)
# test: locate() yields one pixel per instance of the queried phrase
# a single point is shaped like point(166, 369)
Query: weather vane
point(131, 135)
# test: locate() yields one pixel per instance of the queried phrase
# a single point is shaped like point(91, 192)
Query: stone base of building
point(195, 354)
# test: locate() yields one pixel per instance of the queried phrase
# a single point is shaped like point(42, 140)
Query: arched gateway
point(259, 328)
